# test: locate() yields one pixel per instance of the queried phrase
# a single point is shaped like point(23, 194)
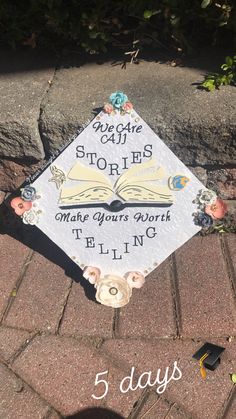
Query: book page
point(85, 192)
point(143, 172)
point(147, 192)
point(81, 172)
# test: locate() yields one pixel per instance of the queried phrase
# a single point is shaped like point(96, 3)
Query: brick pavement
point(54, 338)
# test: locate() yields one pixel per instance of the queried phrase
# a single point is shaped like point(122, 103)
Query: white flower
point(207, 197)
point(113, 291)
point(135, 279)
point(92, 274)
point(30, 217)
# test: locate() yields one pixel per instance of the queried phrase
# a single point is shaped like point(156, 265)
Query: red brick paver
point(205, 398)
point(206, 295)
point(10, 341)
point(150, 311)
point(155, 407)
point(62, 371)
point(59, 366)
point(53, 415)
point(122, 403)
point(17, 400)
point(13, 255)
point(176, 412)
point(231, 247)
point(84, 317)
point(190, 393)
point(40, 298)
point(230, 413)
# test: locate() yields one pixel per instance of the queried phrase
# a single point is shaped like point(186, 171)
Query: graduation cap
point(209, 357)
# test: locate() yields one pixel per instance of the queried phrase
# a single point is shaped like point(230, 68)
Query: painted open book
point(139, 184)
point(73, 199)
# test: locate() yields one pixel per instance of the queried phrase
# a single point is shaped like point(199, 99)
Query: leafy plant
point(95, 26)
point(215, 80)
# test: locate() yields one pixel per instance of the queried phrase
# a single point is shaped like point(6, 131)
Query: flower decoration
point(108, 108)
point(31, 217)
point(207, 197)
point(20, 206)
point(135, 279)
point(127, 107)
point(118, 101)
point(113, 291)
point(23, 205)
point(202, 220)
point(217, 210)
point(28, 193)
point(92, 274)
point(212, 209)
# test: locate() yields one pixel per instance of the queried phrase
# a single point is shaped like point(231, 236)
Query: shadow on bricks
point(32, 237)
point(96, 413)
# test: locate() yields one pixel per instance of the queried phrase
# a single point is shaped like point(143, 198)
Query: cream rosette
point(113, 291)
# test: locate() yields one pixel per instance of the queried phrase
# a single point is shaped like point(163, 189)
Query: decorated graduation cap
point(117, 201)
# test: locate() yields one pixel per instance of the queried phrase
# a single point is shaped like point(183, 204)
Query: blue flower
point(203, 220)
point(28, 193)
point(118, 99)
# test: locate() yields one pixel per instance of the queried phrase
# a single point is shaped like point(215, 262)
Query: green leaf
point(224, 67)
point(229, 61)
point(233, 378)
point(175, 21)
point(205, 3)
point(223, 80)
point(211, 88)
point(147, 14)
point(230, 77)
point(13, 293)
point(209, 84)
point(93, 34)
point(223, 23)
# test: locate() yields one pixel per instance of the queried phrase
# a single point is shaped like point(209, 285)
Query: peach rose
point(217, 210)
point(127, 107)
point(108, 108)
point(135, 279)
point(92, 274)
point(20, 206)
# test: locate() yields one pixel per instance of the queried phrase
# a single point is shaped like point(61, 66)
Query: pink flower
point(20, 206)
point(135, 279)
point(217, 210)
point(92, 274)
point(108, 108)
point(127, 107)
